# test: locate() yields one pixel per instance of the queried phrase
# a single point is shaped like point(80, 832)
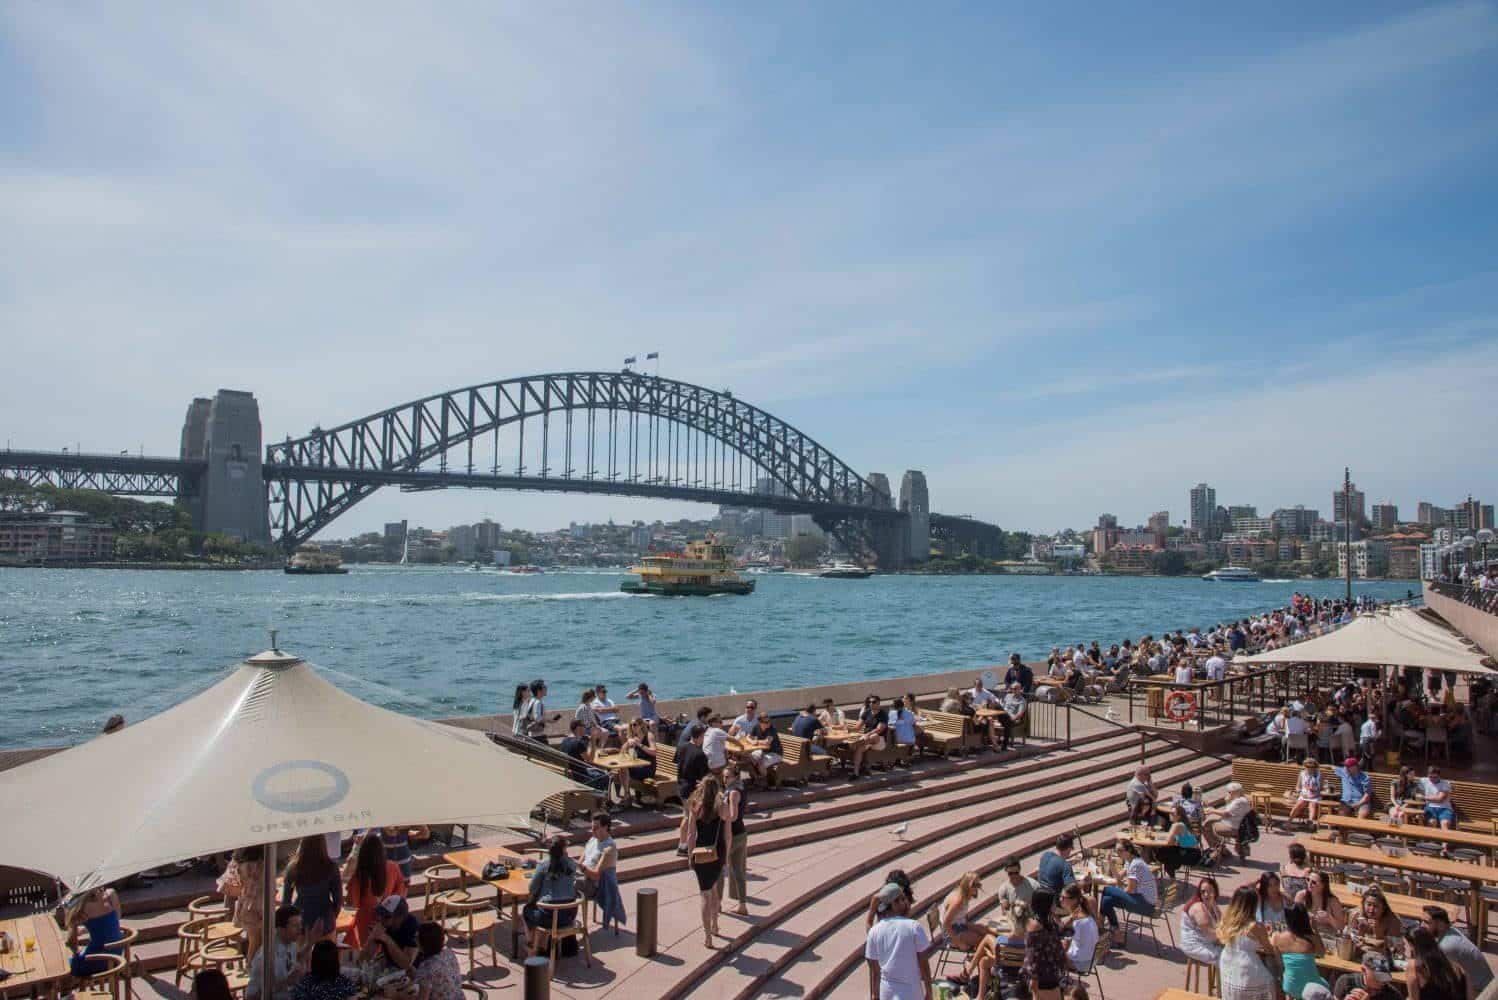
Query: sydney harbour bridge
point(622, 433)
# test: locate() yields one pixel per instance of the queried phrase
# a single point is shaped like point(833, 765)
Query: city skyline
point(1172, 246)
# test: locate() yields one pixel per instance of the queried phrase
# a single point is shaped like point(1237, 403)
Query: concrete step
point(799, 949)
point(841, 951)
point(790, 881)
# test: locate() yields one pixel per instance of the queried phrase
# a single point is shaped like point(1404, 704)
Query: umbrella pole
point(268, 924)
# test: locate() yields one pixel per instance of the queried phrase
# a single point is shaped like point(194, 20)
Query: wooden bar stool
point(208, 906)
point(1194, 977)
point(1262, 803)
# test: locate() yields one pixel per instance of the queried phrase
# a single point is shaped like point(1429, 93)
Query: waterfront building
point(1203, 509)
point(1405, 562)
point(1253, 526)
point(1370, 558)
point(1159, 525)
point(1385, 516)
point(1130, 557)
point(775, 524)
point(461, 538)
point(1429, 514)
point(1105, 535)
point(1340, 501)
point(55, 536)
point(915, 501)
point(1241, 511)
point(486, 535)
point(1294, 521)
point(394, 540)
point(1470, 515)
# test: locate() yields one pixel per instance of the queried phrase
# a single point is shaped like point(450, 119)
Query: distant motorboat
point(1232, 574)
point(845, 571)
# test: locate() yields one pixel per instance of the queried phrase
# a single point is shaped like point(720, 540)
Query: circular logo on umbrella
point(300, 786)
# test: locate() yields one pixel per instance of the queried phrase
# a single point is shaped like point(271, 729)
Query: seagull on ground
point(899, 831)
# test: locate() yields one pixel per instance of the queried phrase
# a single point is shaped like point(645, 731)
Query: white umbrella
point(272, 752)
point(1398, 636)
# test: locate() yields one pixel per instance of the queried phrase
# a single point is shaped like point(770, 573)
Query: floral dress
point(440, 973)
point(1045, 958)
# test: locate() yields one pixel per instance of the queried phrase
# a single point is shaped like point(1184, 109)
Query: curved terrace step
point(801, 949)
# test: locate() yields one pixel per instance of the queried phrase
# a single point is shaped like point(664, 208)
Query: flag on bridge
point(652, 356)
point(629, 360)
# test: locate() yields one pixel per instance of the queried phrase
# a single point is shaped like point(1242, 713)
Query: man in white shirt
point(747, 721)
point(1221, 825)
point(1217, 667)
point(715, 743)
point(1184, 673)
point(286, 956)
point(1079, 658)
point(1437, 795)
point(982, 697)
point(605, 709)
point(897, 950)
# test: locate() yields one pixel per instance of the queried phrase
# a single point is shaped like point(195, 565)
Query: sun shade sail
point(1397, 636)
point(272, 752)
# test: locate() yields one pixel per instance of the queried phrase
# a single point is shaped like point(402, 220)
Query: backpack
point(1248, 830)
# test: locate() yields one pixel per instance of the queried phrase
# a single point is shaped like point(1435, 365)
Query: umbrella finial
point(273, 647)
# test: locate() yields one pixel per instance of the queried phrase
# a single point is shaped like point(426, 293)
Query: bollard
point(645, 904)
point(538, 978)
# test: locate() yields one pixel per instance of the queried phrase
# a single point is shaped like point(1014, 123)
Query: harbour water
point(77, 645)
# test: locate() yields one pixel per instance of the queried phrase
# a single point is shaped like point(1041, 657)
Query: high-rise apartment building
point(486, 535)
point(1385, 516)
point(1294, 522)
point(1341, 499)
point(1430, 515)
point(776, 524)
point(1203, 505)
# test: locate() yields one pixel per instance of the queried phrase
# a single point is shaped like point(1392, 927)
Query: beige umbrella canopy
point(273, 752)
point(1397, 636)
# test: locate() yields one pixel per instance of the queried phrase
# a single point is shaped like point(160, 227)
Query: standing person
point(313, 883)
point(1241, 971)
point(897, 949)
point(243, 882)
point(709, 834)
point(517, 710)
point(648, 712)
point(1299, 947)
point(535, 712)
point(735, 803)
point(1019, 673)
point(1138, 893)
point(1430, 974)
point(398, 848)
point(369, 878)
point(715, 743)
point(1458, 949)
point(1055, 870)
point(588, 716)
point(691, 763)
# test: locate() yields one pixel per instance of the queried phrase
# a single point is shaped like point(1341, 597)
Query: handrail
point(1153, 733)
point(529, 749)
point(1473, 597)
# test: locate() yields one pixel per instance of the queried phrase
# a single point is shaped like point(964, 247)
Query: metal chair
point(556, 933)
point(1139, 921)
point(1099, 956)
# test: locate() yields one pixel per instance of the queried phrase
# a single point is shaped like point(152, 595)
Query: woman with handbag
point(709, 832)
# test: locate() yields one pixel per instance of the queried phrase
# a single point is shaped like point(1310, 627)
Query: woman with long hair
point(517, 709)
point(210, 984)
point(553, 881)
point(370, 877)
point(1241, 968)
point(1080, 927)
point(1401, 790)
point(1271, 900)
point(1431, 975)
point(639, 742)
point(1308, 798)
point(324, 979)
point(313, 882)
point(1295, 874)
point(962, 933)
point(1182, 847)
point(1327, 914)
point(1375, 921)
point(98, 912)
point(709, 836)
point(1299, 946)
point(1045, 955)
point(243, 882)
point(1199, 918)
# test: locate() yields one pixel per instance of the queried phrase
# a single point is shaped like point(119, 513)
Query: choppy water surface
point(76, 645)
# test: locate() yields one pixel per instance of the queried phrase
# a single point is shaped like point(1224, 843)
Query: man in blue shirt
point(1055, 871)
point(1357, 788)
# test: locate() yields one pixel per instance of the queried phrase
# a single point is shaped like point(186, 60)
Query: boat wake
point(589, 595)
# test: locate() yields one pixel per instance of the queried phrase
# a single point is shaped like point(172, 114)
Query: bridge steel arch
point(659, 438)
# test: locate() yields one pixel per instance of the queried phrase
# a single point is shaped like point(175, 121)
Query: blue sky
point(1066, 259)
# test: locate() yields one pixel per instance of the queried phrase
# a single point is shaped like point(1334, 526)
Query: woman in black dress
point(709, 834)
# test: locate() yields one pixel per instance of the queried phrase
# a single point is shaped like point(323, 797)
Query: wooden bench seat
point(561, 807)
point(947, 733)
point(1474, 801)
point(798, 764)
point(663, 782)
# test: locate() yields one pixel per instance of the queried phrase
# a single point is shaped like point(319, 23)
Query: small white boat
point(845, 571)
point(1232, 574)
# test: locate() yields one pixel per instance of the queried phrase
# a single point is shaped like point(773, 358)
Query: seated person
point(767, 751)
point(1357, 789)
point(438, 975)
point(1220, 826)
point(393, 934)
point(832, 717)
point(579, 747)
point(746, 722)
point(902, 723)
point(1141, 796)
point(1012, 710)
point(324, 980)
point(1437, 795)
point(952, 703)
point(809, 727)
point(1181, 845)
point(1374, 980)
point(554, 881)
point(639, 741)
point(685, 735)
point(1017, 887)
point(874, 721)
point(286, 956)
point(604, 709)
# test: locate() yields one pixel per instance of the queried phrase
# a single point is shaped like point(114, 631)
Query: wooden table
point(1336, 966)
point(514, 889)
point(1473, 875)
point(1460, 838)
point(40, 970)
point(1412, 907)
point(1174, 994)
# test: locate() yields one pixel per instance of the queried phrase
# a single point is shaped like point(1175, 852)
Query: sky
point(1066, 259)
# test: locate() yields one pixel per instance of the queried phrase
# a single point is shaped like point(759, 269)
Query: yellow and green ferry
point(705, 568)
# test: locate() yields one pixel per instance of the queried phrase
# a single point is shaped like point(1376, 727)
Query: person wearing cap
point(897, 949)
point(1374, 981)
point(393, 934)
point(1357, 789)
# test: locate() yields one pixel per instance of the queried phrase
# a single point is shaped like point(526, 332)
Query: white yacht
point(1232, 574)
